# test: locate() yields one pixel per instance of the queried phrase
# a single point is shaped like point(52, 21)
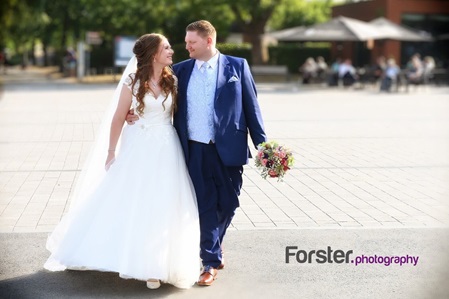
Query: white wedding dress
point(142, 219)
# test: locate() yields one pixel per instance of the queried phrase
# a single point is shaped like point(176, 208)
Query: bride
point(139, 218)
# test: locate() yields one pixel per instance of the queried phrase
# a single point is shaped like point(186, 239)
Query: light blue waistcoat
point(200, 104)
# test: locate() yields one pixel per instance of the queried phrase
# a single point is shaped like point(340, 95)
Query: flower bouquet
point(273, 159)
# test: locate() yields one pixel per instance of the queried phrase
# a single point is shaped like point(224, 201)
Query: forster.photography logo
point(339, 256)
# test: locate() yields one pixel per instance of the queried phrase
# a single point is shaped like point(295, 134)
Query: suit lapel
point(183, 78)
point(223, 74)
point(184, 75)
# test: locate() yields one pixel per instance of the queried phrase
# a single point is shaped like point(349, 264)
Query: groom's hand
point(131, 117)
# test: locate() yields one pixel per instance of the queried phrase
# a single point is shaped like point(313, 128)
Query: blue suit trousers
point(217, 188)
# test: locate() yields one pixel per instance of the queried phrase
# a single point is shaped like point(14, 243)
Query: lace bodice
point(156, 111)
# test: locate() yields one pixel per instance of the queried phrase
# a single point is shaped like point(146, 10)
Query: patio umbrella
point(398, 32)
point(337, 29)
point(286, 32)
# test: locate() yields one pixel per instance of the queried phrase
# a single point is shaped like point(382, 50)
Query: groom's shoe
point(207, 277)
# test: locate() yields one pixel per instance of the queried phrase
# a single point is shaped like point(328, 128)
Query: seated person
point(333, 76)
point(391, 75)
point(415, 70)
point(379, 69)
point(428, 68)
point(308, 70)
point(321, 69)
point(347, 73)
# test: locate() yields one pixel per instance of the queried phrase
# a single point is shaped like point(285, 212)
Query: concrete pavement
point(371, 175)
point(255, 268)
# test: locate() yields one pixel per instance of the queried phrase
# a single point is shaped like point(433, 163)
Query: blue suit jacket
point(236, 110)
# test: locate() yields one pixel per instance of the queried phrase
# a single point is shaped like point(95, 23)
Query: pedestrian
point(217, 107)
point(141, 219)
point(70, 62)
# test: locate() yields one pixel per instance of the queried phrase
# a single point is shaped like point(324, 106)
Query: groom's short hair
point(204, 28)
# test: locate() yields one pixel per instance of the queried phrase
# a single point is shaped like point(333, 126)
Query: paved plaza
point(371, 173)
point(363, 159)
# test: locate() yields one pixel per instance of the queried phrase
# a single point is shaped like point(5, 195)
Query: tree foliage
point(60, 24)
point(300, 13)
point(252, 17)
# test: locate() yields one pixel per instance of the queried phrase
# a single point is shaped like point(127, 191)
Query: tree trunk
point(44, 49)
point(32, 54)
point(63, 45)
point(253, 33)
point(254, 28)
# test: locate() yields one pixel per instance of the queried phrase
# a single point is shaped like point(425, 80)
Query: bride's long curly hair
point(146, 49)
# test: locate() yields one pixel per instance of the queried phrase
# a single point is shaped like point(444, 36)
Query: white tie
point(205, 67)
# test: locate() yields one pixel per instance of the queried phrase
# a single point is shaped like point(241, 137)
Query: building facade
point(431, 16)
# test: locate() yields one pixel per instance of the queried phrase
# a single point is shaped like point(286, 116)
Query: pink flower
point(272, 173)
point(273, 159)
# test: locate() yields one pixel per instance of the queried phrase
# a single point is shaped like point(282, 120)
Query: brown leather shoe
point(207, 277)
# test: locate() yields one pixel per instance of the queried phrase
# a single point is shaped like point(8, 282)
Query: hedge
point(239, 50)
point(290, 55)
point(293, 56)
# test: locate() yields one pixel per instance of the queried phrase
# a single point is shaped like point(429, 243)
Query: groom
point(217, 106)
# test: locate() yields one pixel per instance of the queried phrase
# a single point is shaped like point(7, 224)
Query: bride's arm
point(117, 122)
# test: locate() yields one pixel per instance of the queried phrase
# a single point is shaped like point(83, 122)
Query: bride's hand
point(109, 160)
point(131, 118)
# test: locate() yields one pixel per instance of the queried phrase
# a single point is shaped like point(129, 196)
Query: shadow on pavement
point(255, 268)
point(79, 284)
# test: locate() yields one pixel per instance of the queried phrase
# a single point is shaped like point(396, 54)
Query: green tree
point(252, 16)
point(179, 14)
point(59, 24)
point(137, 17)
point(294, 13)
point(22, 31)
point(7, 10)
point(63, 27)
